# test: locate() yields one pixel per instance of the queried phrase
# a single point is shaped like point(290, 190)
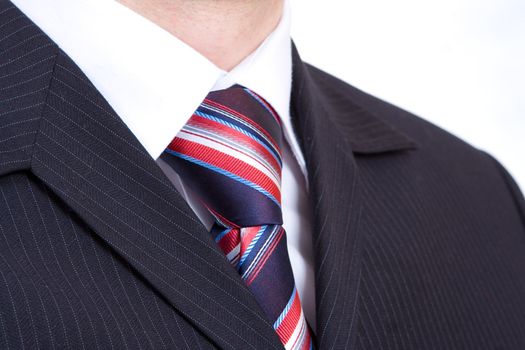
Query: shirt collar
point(153, 80)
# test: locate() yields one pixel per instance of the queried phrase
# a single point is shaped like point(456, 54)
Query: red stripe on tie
point(244, 118)
point(306, 344)
point(304, 339)
point(226, 162)
point(236, 137)
point(266, 255)
point(290, 321)
point(229, 241)
point(300, 336)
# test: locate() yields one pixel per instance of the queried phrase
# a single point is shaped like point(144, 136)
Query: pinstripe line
point(82, 79)
point(27, 67)
point(114, 297)
point(131, 304)
point(21, 42)
point(16, 149)
point(41, 256)
point(18, 135)
point(166, 328)
point(29, 312)
point(148, 316)
point(74, 291)
point(46, 229)
point(12, 20)
point(12, 302)
point(18, 122)
point(15, 60)
point(7, 9)
point(21, 96)
point(16, 31)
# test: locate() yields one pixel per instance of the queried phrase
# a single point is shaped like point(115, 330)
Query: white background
point(458, 63)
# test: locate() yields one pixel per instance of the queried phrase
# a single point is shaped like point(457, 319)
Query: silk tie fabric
point(229, 154)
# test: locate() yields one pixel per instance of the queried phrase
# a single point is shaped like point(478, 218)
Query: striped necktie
point(229, 154)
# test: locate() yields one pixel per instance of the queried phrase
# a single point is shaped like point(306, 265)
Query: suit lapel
point(90, 159)
point(330, 129)
point(336, 202)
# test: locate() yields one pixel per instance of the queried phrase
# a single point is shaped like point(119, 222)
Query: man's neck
point(224, 31)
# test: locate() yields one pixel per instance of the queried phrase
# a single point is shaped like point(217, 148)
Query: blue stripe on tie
point(261, 251)
point(252, 244)
point(241, 130)
point(225, 173)
point(222, 234)
point(281, 317)
point(233, 143)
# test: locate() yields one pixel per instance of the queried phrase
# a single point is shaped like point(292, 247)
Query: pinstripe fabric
point(62, 288)
point(229, 154)
point(438, 240)
point(419, 238)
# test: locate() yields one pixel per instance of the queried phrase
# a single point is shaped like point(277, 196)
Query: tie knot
point(229, 154)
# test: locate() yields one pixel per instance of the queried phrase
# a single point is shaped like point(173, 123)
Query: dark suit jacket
point(419, 238)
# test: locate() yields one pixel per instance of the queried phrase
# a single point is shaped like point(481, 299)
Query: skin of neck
point(224, 31)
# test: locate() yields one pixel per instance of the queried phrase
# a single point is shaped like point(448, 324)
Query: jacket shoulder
point(429, 138)
point(446, 154)
point(422, 131)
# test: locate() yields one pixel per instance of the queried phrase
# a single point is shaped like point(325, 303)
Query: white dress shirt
point(155, 82)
